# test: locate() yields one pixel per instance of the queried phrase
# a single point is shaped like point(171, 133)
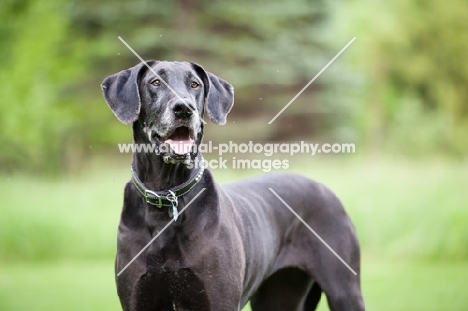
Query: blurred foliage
point(410, 63)
point(400, 87)
point(39, 64)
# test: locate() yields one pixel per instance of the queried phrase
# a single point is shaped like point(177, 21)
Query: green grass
point(89, 285)
point(57, 236)
point(63, 285)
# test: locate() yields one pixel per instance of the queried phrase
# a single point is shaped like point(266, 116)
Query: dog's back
point(284, 254)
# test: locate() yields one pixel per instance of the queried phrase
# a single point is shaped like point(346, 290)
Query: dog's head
point(166, 102)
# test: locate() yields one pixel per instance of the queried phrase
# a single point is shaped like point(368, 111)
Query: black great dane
point(233, 243)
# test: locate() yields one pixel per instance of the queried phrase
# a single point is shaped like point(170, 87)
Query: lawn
point(89, 285)
point(57, 236)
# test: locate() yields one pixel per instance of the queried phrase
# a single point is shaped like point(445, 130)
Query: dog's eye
point(194, 85)
point(156, 82)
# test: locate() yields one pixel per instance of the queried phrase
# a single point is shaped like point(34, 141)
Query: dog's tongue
point(180, 141)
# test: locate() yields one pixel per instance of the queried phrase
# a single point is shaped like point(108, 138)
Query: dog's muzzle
point(180, 146)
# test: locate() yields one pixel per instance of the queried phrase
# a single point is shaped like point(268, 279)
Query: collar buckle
point(151, 196)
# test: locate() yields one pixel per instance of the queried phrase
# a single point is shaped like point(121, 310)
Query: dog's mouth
point(177, 145)
point(181, 141)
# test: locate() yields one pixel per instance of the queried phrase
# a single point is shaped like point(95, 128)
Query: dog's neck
point(151, 169)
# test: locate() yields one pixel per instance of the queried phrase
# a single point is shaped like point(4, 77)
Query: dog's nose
point(183, 110)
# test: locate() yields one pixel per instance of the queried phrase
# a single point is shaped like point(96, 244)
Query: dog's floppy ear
point(219, 95)
point(122, 94)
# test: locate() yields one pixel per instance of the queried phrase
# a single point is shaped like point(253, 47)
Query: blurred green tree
point(410, 62)
point(403, 91)
point(39, 63)
point(58, 52)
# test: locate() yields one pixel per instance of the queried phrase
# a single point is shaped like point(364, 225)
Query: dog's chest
point(171, 289)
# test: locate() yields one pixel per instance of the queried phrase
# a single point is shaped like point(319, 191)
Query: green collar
point(167, 197)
